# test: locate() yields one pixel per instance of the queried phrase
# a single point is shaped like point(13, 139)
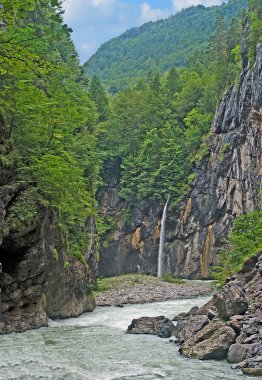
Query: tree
point(255, 33)
point(98, 95)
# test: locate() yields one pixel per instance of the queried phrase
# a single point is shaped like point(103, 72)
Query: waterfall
point(161, 242)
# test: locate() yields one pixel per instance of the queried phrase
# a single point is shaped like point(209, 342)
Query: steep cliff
point(228, 180)
point(38, 281)
point(227, 184)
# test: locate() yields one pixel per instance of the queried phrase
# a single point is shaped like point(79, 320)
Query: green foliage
point(255, 32)
point(172, 280)
point(66, 264)
point(245, 241)
point(158, 130)
point(158, 45)
point(99, 97)
point(55, 254)
point(49, 116)
point(125, 281)
point(22, 213)
point(225, 148)
point(43, 301)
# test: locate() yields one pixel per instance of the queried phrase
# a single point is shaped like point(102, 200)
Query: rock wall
point(227, 185)
point(228, 181)
point(132, 246)
point(38, 281)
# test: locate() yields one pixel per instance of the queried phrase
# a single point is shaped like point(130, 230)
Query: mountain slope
point(157, 45)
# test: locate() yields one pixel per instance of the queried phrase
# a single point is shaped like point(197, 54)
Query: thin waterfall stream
point(160, 265)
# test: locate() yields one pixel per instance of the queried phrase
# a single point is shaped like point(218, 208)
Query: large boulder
point(190, 327)
point(211, 342)
point(237, 353)
point(161, 326)
point(230, 300)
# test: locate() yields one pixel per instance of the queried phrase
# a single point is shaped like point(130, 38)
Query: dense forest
point(158, 46)
point(158, 129)
point(62, 131)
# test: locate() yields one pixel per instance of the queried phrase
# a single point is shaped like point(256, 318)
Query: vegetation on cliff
point(47, 113)
point(245, 241)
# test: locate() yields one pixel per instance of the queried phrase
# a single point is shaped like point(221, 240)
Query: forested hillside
point(158, 46)
point(158, 129)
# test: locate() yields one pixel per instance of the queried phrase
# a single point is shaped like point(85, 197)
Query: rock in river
point(161, 326)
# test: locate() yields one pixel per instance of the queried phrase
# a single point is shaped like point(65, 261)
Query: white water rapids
point(95, 347)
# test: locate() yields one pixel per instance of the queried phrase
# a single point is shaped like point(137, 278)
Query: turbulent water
point(95, 347)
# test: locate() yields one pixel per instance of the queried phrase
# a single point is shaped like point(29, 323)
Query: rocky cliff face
point(227, 185)
point(38, 281)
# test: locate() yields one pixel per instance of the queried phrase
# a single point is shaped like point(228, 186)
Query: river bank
point(139, 289)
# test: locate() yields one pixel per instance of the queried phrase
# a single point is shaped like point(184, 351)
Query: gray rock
point(252, 325)
point(237, 353)
point(193, 325)
point(230, 300)
point(180, 316)
point(161, 326)
point(236, 324)
point(211, 342)
point(39, 285)
point(211, 314)
point(181, 323)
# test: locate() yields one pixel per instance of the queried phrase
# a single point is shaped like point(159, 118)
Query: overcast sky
point(96, 21)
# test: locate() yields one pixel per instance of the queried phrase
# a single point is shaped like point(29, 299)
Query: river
point(95, 347)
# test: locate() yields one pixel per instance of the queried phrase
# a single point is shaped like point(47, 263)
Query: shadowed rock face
point(226, 186)
point(38, 281)
point(233, 329)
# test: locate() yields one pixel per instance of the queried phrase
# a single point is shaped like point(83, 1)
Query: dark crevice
point(10, 259)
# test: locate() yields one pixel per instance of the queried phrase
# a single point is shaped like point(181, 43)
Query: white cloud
point(85, 11)
point(151, 14)
point(96, 21)
point(178, 5)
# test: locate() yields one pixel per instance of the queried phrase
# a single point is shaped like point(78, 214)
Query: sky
point(97, 21)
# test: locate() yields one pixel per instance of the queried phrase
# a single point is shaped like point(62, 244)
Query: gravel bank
point(142, 289)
